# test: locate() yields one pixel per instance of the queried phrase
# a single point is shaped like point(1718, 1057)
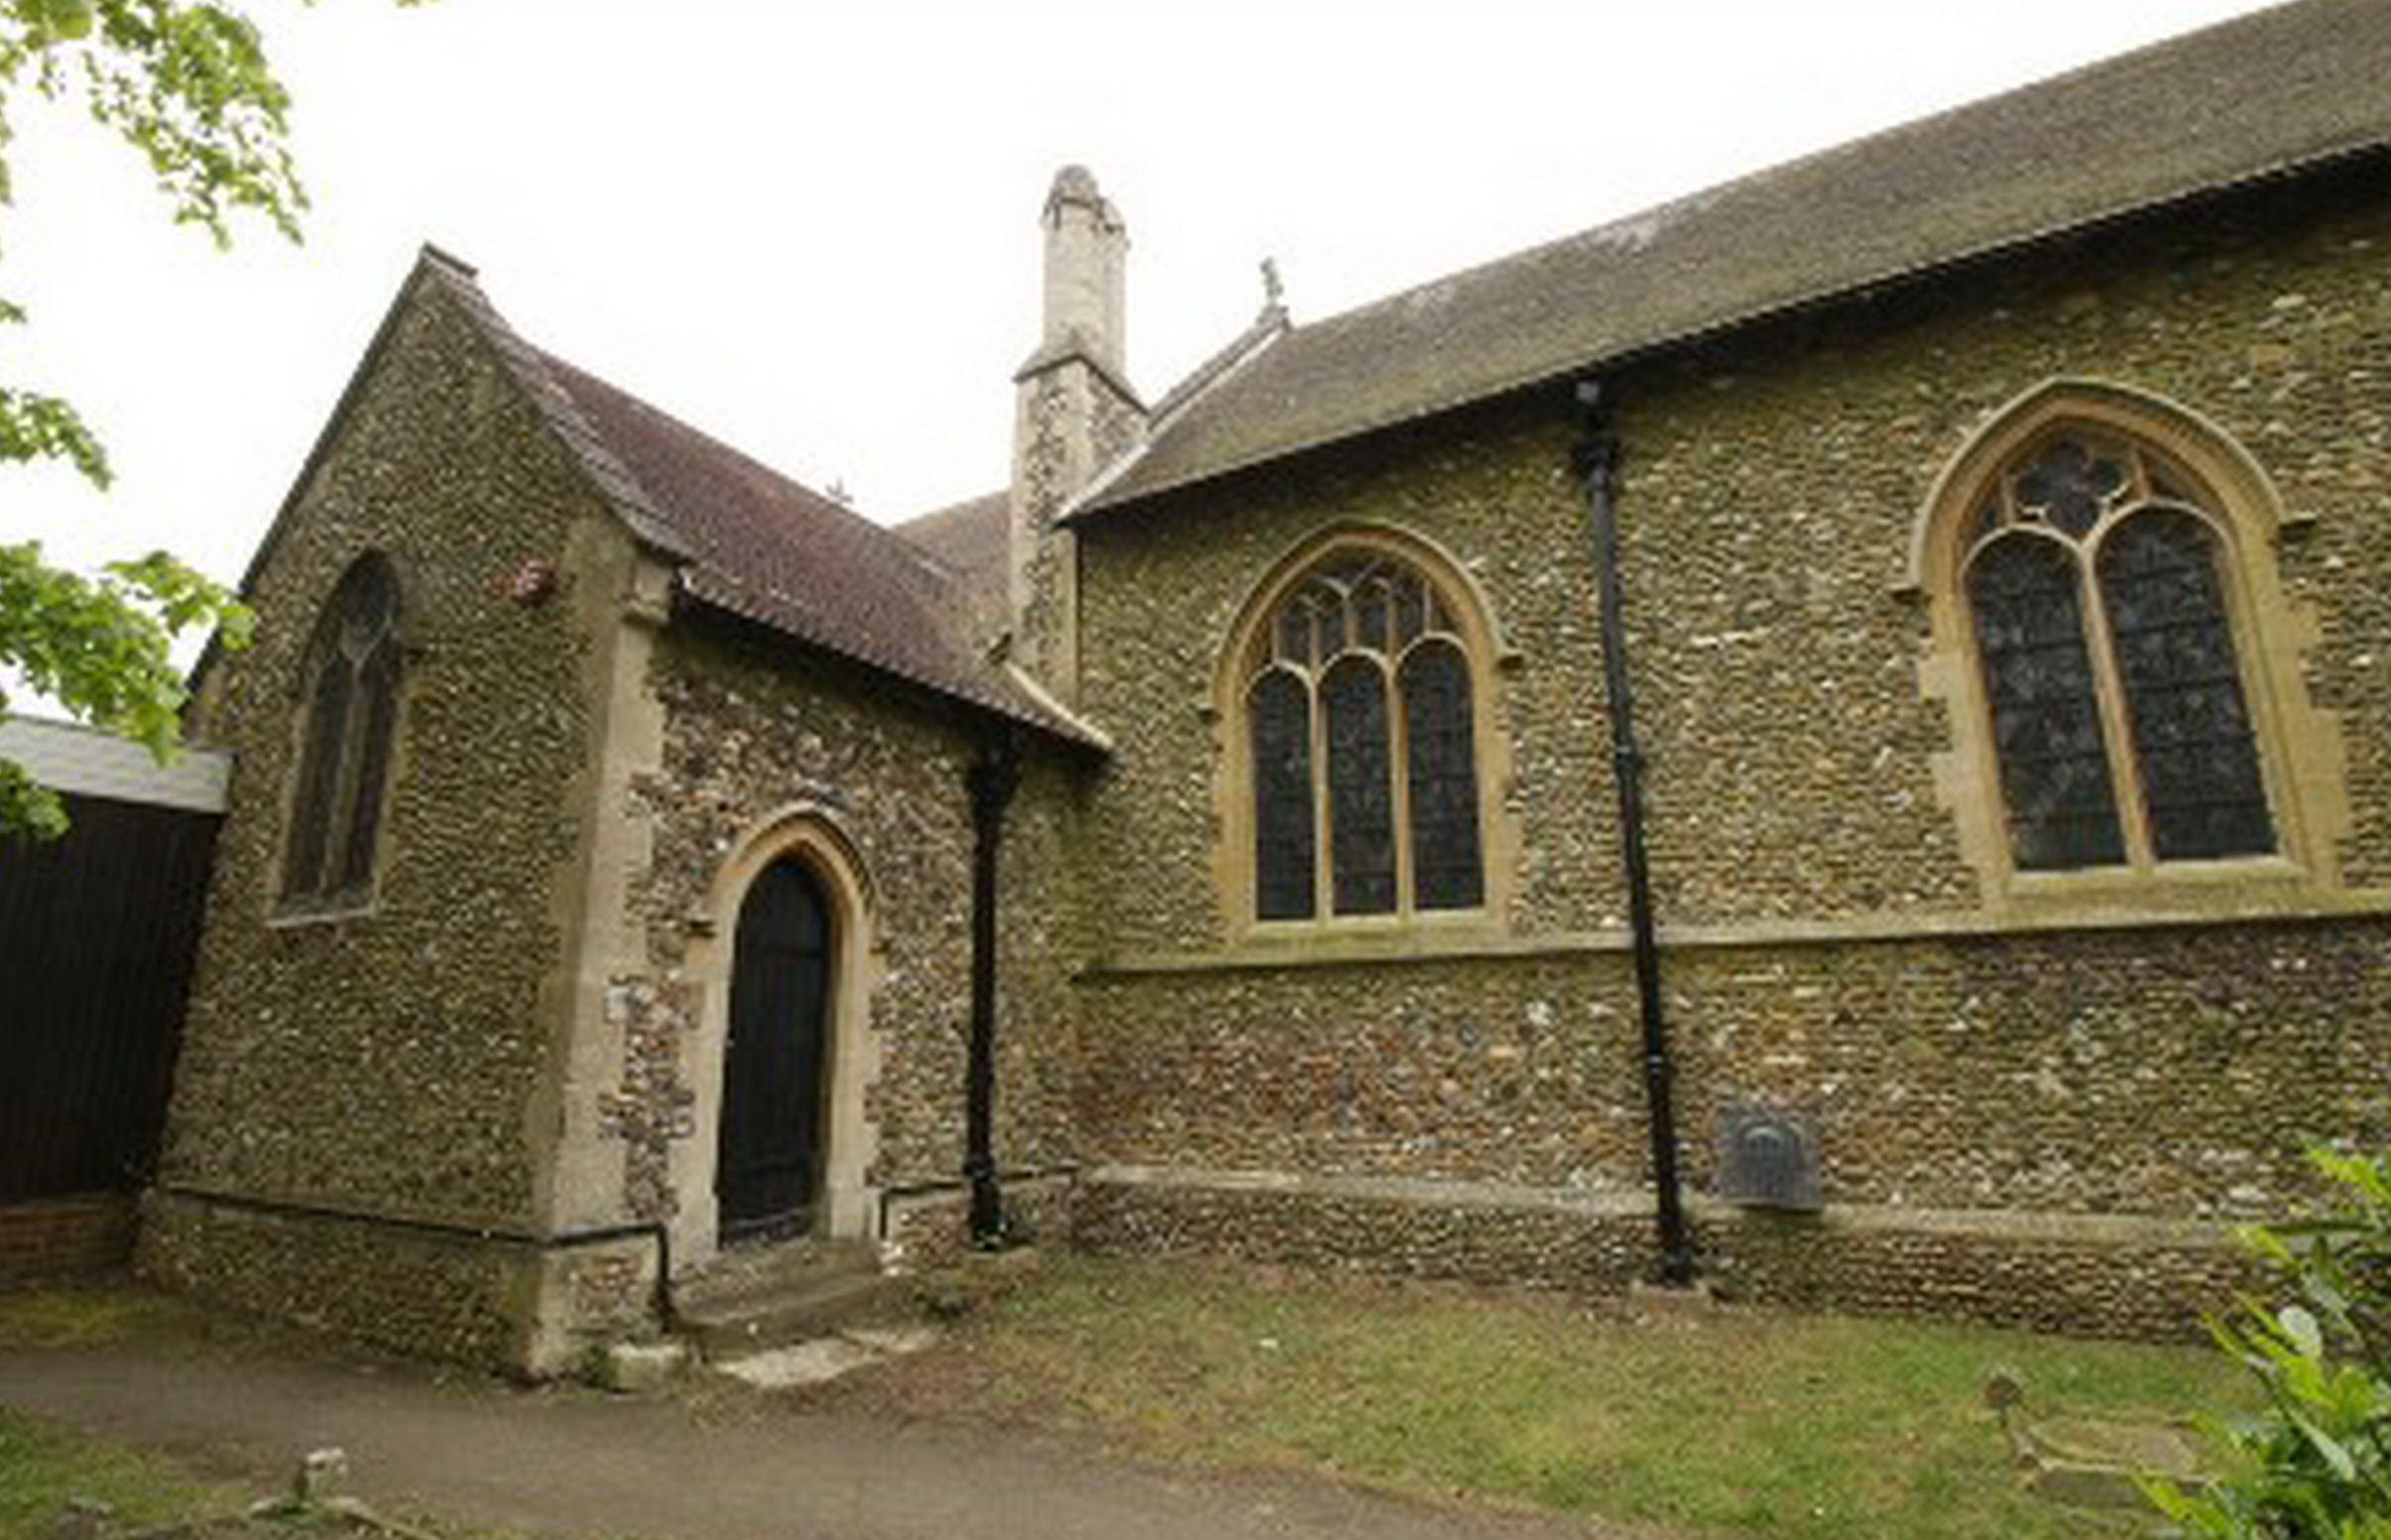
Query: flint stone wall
point(383, 1062)
point(1826, 946)
point(447, 1294)
point(753, 727)
point(1973, 1266)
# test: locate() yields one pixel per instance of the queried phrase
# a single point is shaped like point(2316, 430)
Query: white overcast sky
point(809, 227)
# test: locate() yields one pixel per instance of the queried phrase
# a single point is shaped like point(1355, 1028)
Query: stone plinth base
point(2093, 1274)
point(488, 1298)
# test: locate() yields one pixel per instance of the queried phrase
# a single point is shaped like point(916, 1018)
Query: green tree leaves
point(34, 427)
point(185, 85)
point(100, 647)
point(2315, 1463)
point(189, 88)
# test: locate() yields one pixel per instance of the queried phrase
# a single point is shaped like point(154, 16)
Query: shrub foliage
point(2315, 1462)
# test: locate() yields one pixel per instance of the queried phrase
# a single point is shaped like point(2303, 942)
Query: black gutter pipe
point(1595, 457)
point(990, 782)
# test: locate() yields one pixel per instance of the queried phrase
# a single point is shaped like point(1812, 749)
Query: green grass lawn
point(1692, 1423)
point(42, 1466)
point(1743, 1421)
point(69, 1317)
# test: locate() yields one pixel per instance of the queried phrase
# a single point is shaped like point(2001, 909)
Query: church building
point(1831, 738)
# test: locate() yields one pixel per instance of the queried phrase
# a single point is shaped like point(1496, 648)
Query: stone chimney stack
point(1086, 257)
point(1075, 413)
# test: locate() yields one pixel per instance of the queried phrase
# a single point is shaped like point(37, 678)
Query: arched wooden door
point(768, 1167)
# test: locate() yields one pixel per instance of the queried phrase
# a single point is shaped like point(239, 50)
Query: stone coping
point(2109, 1229)
point(1332, 947)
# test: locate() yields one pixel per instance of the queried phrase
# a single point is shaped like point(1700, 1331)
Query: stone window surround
point(1490, 661)
point(2299, 746)
point(849, 1204)
point(286, 910)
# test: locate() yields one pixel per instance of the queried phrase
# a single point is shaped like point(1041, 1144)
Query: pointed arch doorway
point(772, 1136)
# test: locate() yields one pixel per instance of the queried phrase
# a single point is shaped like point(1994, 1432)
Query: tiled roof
point(754, 543)
point(2297, 86)
point(971, 542)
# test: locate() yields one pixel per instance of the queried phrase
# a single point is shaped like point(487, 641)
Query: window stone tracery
point(2128, 709)
point(1361, 737)
point(2120, 730)
point(349, 721)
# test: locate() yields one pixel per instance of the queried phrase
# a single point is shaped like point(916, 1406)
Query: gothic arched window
point(1361, 740)
point(2098, 580)
point(349, 718)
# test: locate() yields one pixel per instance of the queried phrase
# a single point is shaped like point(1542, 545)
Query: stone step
point(784, 1294)
point(751, 1271)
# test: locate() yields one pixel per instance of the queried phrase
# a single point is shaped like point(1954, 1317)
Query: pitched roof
point(754, 543)
point(971, 542)
point(2261, 95)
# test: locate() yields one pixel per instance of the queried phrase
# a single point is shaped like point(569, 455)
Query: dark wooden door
point(769, 1155)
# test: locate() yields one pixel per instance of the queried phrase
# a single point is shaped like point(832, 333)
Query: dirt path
point(727, 1467)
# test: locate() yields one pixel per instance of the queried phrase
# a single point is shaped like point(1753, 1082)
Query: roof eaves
point(1088, 732)
point(85, 761)
point(779, 613)
point(1097, 497)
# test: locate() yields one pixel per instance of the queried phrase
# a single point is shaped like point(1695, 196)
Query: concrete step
point(751, 1300)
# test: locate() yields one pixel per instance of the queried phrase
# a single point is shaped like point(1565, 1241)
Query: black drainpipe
point(1596, 458)
point(990, 781)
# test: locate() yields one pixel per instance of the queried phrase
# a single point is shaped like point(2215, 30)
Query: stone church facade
point(1215, 842)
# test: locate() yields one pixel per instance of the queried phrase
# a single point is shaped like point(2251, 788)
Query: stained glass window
point(350, 722)
point(1442, 770)
point(2045, 711)
point(1361, 787)
point(2069, 486)
point(1279, 713)
point(1363, 744)
point(1410, 609)
point(2201, 783)
point(1370, 616)
point(2104, 644)
point(318, 777)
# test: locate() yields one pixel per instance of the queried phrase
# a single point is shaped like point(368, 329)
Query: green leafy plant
point(2315, 1462)
point(99, 646)
point(187, 88)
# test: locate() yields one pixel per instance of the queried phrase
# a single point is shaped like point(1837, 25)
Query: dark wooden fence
point(97, 932)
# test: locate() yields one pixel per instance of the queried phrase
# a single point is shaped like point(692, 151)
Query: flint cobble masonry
point(1825, 945)
point(750, 732)
point(383, 1061)
point(473, 1114)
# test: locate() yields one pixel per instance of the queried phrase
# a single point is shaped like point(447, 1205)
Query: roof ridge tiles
point(2277, 92)
point(1266, 328)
